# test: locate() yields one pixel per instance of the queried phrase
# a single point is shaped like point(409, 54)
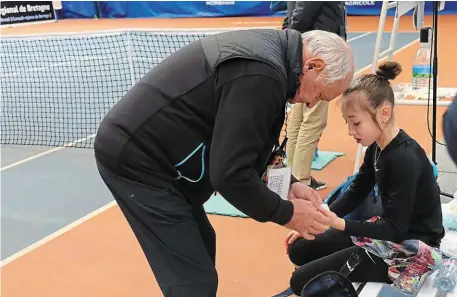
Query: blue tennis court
point(48, 192)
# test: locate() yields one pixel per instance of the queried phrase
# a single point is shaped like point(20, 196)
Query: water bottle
point(446, 278)
point(450, 214)
point(422, 69)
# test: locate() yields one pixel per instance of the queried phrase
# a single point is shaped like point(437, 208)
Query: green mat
point(324, 159)
point(218, 205)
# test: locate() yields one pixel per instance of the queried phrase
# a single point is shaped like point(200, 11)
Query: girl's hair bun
point(389, 70)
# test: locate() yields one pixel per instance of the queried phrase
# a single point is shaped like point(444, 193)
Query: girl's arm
point(359, 189)
point(402, 177)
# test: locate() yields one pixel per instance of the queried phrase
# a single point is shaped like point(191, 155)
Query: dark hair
point(375, 87)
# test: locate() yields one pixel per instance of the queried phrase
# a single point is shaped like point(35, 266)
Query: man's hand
point(299, 190)
point(307, 220)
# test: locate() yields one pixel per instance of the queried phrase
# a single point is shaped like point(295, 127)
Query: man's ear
point(316, 63)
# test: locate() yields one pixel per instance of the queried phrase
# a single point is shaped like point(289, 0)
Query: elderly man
point(206, 119)
point(306, 124)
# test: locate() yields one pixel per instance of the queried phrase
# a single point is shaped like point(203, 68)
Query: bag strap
point(354, 260)
point(360, 288)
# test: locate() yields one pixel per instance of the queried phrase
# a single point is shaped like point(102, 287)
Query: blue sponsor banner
point(374, 8)
point(195, 9)
point(165, 9)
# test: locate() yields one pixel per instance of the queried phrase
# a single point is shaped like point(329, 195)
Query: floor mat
point(324, 159)
point(218, 205)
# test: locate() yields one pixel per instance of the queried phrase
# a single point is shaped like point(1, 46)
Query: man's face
point(313, 87)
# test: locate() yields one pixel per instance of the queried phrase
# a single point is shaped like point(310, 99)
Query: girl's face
point(361, 125)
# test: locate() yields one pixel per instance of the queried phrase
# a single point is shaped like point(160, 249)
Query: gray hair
point(333, 50)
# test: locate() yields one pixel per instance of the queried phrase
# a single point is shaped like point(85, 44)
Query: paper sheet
point(279, 181)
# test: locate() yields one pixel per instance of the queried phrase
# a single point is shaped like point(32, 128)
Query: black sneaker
point(317, 185)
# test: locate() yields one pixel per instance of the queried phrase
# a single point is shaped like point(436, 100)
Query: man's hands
point(308, 220)
point(309, 217)
point(336, 223)
point(299, 190)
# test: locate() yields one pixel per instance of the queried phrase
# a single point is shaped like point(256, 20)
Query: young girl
point(404, 176)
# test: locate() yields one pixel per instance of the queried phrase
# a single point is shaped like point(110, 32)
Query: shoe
point(317, 185)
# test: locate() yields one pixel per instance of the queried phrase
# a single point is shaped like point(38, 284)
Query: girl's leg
point(303, 251)
point(367, 271)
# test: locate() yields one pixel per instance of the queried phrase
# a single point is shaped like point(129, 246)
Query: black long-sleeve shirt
point(239, 125)
point(249, 122)
point(409, 192)
point(207, 118)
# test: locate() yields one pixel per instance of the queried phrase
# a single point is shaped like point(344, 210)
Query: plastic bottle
point(422, 69)
point(446, 279)
point(450, 214)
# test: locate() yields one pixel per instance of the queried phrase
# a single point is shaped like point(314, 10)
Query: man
point(307, 124)
point(206, 119)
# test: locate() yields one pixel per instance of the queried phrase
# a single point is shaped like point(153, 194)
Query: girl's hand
point(335, 221)
point(291, 237)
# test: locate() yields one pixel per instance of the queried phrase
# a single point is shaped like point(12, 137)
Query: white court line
point(393, 54)
point(70, 144)
point(273, 23)
point(120, 31)
point(56, 234)
point(359, 36)
point(98, 211)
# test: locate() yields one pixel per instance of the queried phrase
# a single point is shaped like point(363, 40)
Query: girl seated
point(408, 189)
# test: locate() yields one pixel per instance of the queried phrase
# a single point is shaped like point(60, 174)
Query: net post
point(130, 57)
point(393, 36)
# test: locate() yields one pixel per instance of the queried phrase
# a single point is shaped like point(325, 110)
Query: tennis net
point(56, 89)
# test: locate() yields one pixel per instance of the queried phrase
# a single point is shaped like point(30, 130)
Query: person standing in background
point(450, 129)
point(307, 124)
point(57, 5)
